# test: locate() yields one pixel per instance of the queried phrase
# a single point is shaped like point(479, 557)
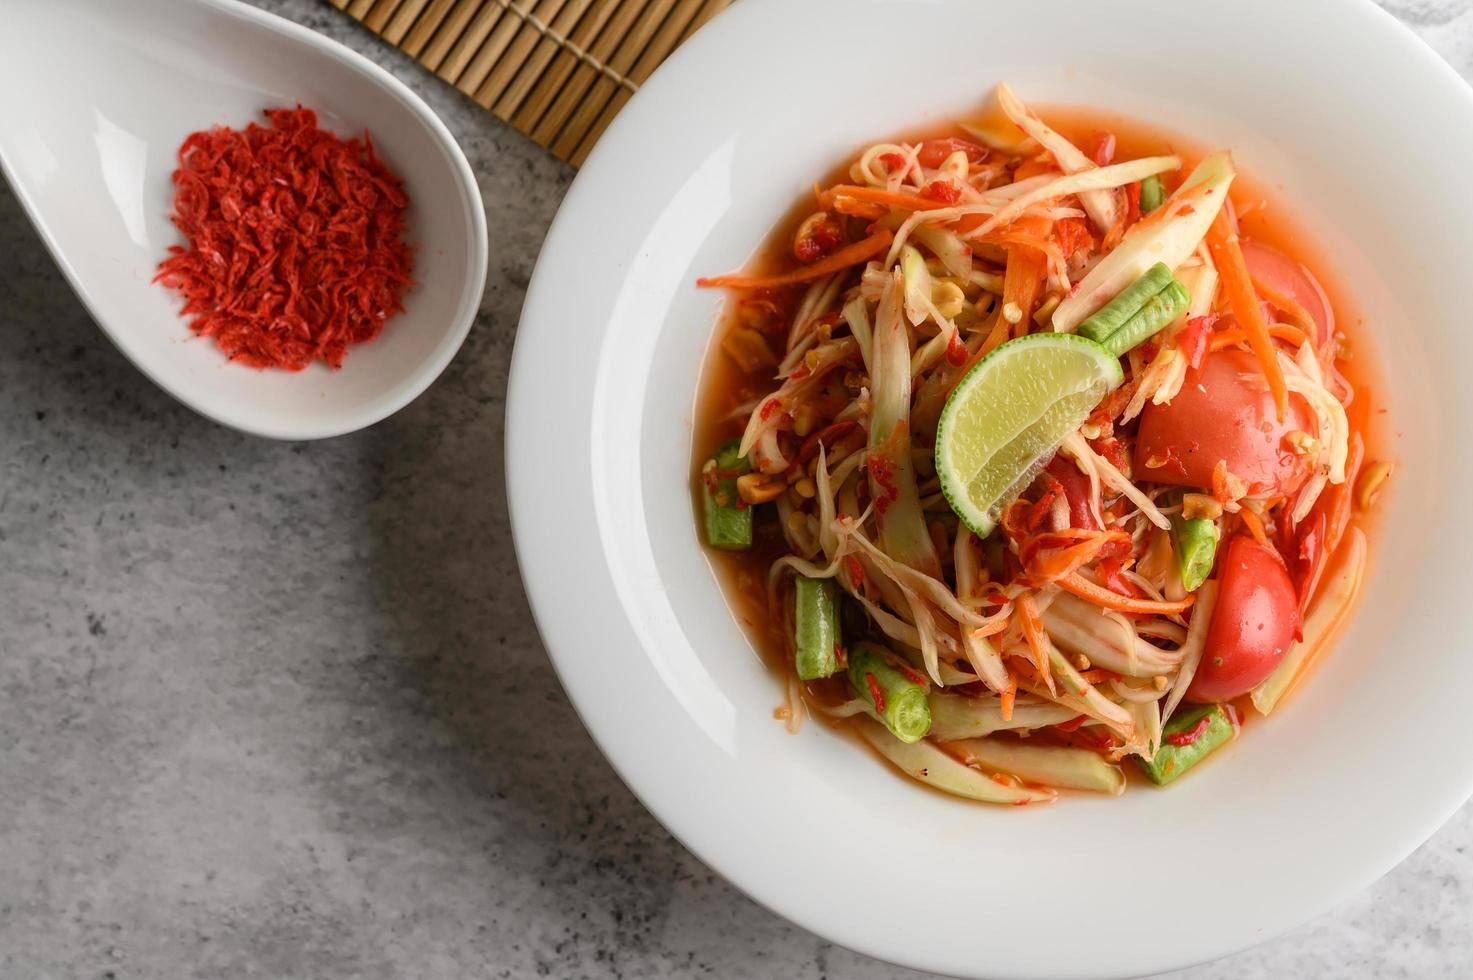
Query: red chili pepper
point(827, 436)
point(1194, 339)
point(883, 473)
point(807, 250)
point(1112, 449)
point(1072, 234)
point(943, 191)
point(1096, 739)
point(824, 238)
point(1113, 404)
point(876, 695)
point(933, 153)
point(956, 351)
point(1132, 202)
point(1112, 576)
point(1044, 505)
point(768, 408)
point(293, 241)
point(841, 656)
point(856, 571)
point(1076, 490)
point(1104, 150)
point(912, 675)
point(1172, 462)
point(1072, 725)
point(1191, 734)
point(895, 163)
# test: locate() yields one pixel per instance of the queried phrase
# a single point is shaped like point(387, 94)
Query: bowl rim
point(532, 527)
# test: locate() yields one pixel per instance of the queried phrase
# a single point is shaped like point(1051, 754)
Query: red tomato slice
point(1279, 272)
point(1219, 416)
point(933, 153)
point(1253, 623)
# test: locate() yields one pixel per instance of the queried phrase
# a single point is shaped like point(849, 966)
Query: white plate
point(1368, 135)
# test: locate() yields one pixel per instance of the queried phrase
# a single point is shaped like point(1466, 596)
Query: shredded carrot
point(1222, 241)
point(1025, 240)
point(1286, 303)
point(1335, 504)
point(1288, 332)
point(1227, 486)
point(1022, 283)
point(1232, 337)
point(1224, 339)
point(991, 629)
point(1009, 695)
point(878, 195)
point(1032, 629)
point(1001, 330)
point(1087, 590)
point(1046, 563)
point(858, 209)
point(1034, 166)
point(851, 254)
point(1254, 523)
point(1030, 232)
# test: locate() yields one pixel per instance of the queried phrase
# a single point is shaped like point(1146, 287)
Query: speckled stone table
point(280, 711)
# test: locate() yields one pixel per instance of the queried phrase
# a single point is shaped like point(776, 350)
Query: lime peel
point(1006, 417)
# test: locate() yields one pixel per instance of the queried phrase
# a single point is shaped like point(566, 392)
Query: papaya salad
point(1035, 462)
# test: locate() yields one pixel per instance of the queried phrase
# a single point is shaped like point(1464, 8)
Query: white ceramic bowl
point(95, 98)
point(1369, 137)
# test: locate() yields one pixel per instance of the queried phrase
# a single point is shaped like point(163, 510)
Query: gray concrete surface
point(280, 711)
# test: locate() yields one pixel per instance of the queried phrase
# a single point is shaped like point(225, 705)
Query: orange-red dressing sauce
point(724, 386)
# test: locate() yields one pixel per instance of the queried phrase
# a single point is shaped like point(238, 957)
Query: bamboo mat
point(556, 70)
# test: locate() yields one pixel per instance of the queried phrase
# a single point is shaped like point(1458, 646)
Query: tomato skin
point(1217, 416)
point(1279, 272)
point(1253, 623)
point(933, 153)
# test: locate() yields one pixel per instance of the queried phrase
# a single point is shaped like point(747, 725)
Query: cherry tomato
point(933, 153)
point(1219, 416)
point(1279, 272)
point(1253, 623)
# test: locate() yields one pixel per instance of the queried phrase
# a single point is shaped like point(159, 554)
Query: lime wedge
point(1007, 416)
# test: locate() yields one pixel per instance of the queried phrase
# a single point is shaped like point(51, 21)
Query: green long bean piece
point(1196, 549)
point(815, 627)
point(1153, 317)
point(728, 518)
point(1188, 739)
point(1115, 314)
point(897, 696)
point(1152, 194)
